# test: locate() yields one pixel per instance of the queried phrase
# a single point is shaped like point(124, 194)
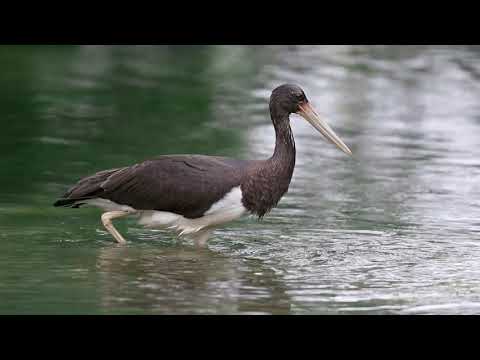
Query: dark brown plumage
point(182, 184)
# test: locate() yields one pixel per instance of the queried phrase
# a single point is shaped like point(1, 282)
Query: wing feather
point(183, 184)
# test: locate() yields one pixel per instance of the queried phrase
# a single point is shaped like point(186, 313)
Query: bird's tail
point(87, 188)
point(73, 203)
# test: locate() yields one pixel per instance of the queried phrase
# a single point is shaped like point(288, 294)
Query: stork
point(194, 194)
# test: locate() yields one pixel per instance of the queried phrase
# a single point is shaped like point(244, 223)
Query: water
point(394, 230)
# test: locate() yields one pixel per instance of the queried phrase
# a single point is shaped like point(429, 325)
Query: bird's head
point(290, 99)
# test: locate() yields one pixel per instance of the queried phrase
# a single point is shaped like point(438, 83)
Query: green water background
point(393, 230)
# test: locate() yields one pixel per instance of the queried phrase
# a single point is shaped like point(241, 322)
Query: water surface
point(393, 230)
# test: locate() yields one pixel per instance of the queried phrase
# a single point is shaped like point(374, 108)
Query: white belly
point(227, 209)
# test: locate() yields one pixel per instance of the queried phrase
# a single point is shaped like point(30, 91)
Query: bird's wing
point(183, 184)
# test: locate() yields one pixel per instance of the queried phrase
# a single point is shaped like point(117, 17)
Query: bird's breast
point(263, 190)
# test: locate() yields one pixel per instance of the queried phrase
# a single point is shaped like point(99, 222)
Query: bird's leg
point(107, 222)
point(201, 237)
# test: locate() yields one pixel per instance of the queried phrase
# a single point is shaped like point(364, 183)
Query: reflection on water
point(181, 279)
point(392, 230)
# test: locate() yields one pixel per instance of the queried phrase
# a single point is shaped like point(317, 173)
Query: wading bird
point(193, 194)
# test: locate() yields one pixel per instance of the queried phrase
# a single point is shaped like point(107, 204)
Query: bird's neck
point(284, 153)
point(282, 162)
point(270, 181)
